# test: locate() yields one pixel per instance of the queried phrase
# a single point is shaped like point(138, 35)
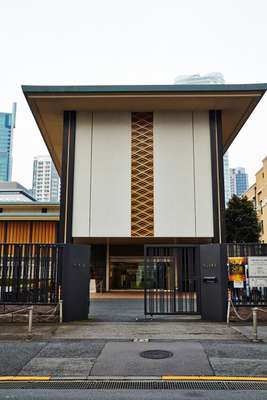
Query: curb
point(191, 378)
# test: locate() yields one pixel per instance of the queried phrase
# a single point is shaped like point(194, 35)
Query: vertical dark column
point(75, 282)
point(213, 281)
point(67, 177)
point(217, 175)
point(221, 173)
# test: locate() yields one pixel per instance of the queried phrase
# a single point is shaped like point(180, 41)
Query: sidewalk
point(152, 330)
point(114, 349)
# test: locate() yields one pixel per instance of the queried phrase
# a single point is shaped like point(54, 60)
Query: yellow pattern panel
point(29, 232)
point(142, 184)
point(2, 231)
point(43, 232)
point(18, 232)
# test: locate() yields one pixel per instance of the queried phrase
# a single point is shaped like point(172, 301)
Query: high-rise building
point(197, 79)
point(7, 124)
point(227, 185)
point(46, 182)
point(238, 181)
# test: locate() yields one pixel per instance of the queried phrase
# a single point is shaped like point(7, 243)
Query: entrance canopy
point(48, 103)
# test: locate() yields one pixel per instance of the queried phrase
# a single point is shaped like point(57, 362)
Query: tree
point(241, 221)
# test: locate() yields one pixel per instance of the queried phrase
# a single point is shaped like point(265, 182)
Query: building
point(210, 78)
point(257, 193)
point(46, 182)
point(14, 192)
point(142, 185)
point(25, 220)
point(227, 184)
point(28, 222)
point(238, 181)
point(7, 124)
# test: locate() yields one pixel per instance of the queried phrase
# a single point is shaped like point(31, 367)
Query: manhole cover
point(156, 354)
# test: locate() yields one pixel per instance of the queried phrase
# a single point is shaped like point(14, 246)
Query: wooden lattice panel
point(142, 185)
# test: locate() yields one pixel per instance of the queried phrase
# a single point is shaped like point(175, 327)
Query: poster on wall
point(257, 269)
point(237, 268)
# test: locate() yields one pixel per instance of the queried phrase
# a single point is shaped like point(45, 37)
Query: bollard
point(255, 326)
point(60, 311)
point(228, 308)
point(30, 320)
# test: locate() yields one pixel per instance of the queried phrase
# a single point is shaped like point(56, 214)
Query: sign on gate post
point(213, 281)
point(75, 282)
point(257, 267)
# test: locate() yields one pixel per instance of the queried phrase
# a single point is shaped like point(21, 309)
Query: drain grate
point(136, 385)
point(156, 354)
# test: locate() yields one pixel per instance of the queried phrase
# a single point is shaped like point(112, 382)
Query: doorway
point(126, 274)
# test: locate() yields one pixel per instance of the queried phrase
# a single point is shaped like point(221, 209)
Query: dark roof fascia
point(145, 88)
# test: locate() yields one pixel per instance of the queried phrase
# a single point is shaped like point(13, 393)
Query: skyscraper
point(197, 79)
point(227, 185)
point(238, 180)
point(7, 124)
point(46, 182)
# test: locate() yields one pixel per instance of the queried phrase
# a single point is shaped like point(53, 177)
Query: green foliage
point(241, 221)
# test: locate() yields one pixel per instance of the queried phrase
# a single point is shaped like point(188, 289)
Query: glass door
point(126, 274)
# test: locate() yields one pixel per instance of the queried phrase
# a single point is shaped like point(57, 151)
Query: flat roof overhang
point(48, 103)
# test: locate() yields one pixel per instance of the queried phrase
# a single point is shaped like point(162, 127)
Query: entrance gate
point(171, 280)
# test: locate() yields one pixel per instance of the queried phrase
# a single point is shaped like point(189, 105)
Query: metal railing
point(30, 273)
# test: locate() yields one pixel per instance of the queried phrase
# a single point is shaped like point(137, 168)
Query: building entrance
point(126, 273)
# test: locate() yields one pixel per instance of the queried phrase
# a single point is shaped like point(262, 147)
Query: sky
point(84, 42)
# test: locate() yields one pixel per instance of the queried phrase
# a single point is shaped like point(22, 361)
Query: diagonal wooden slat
point(142, 185)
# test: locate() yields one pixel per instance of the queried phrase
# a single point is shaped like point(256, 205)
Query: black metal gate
point(30, 273)
point(171, 280)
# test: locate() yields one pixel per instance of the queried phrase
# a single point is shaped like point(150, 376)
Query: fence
point(247, 295)
point(30, 273)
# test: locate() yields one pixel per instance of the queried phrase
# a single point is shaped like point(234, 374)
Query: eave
point(48, 103)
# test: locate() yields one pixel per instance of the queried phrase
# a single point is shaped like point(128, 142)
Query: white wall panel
point(203, 179)
point(111, 175)
point(82, 184)
point(174, 206)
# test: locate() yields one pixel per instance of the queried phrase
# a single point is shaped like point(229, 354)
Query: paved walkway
point(113, 349)
point(84, 358)
point(114, 309)
point(111, 343)
point(181, 330)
